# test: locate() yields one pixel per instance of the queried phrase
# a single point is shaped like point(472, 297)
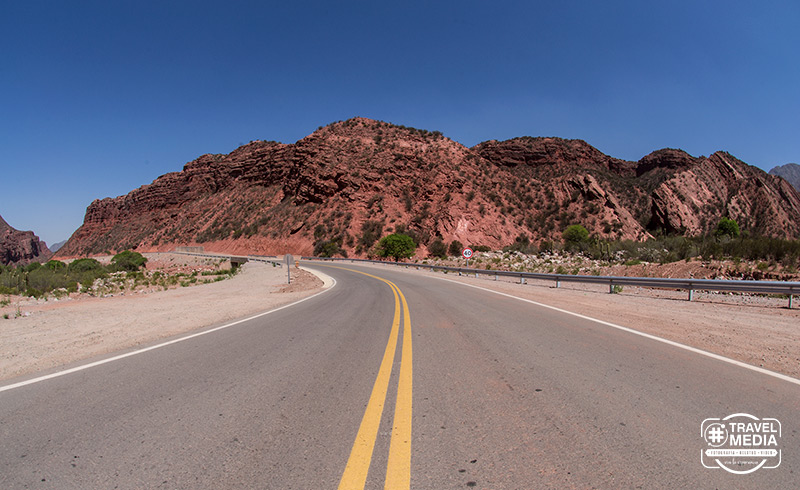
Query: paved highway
point(393, 380)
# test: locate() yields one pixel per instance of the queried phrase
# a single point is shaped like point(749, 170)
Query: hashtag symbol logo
point(716, 435)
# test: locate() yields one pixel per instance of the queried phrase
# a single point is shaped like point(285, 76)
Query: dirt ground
point(52, 333)
point(757, 330)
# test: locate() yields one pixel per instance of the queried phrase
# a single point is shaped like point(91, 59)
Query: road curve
point(506, 395)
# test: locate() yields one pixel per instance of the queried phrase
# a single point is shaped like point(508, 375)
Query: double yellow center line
point(398, 467)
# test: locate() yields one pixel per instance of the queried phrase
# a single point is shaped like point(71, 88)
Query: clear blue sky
point(100, 97)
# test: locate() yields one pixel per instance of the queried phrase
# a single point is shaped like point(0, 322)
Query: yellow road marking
point(355, 473)
point(398, 468)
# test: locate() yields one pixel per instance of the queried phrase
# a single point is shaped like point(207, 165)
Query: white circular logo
point(716, 435)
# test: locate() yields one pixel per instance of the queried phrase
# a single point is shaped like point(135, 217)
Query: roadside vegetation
point(578, 252)
point(735, 253)
point(125, 272)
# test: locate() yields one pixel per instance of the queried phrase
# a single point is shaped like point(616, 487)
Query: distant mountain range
point(20, 247)
point(350, 182)
point(790, 172)
point(56, 246)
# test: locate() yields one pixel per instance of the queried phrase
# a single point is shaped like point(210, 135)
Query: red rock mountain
point(20, 247)
point(350, 182)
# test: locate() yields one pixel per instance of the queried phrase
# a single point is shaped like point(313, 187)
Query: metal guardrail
point(691, 285)
point(236, 258)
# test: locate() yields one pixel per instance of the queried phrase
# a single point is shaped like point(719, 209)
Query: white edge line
point(153, 347)
point(636, 332)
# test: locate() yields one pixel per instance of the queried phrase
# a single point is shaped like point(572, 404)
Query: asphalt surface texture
point(505, 395)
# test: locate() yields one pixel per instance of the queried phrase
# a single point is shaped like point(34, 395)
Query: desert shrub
point(437, 248)
point(522, 244)
point(455, 248)
point(546, 246)
point(329, 248)
point(45, 280)
point(370, 232)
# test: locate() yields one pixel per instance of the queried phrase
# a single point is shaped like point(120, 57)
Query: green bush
point(329, 248)
point(55, 265)
point(85, 265)
point(480, 248)
point(128, 261)
point(575, 234)
point(727, 227)
point(397, 246)
point(32, 266)
point(522, 244)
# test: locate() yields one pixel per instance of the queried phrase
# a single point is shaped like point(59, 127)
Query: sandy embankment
point(54, 333)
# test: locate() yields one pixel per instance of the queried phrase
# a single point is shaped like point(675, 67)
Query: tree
point(85, 265)
point(727, 226)
point(55, 265)
point(455, 248)
point(128, 261)
point(397, 246)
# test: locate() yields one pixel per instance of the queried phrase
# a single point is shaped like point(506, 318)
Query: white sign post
point(467, 253)
point(289, 261)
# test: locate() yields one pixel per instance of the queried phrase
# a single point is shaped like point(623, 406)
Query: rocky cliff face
point(790, 172)
point(699, 191)
point(20, 247)
point(353, 180)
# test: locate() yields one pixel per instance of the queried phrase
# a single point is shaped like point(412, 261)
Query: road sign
point(466, 253)
point(289, 262)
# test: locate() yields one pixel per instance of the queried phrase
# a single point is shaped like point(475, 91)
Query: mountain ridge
point(347, 183)
point(20, 247)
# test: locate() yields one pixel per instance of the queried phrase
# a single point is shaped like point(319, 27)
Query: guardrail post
point(791, 300)
point(558, 283)
point(521, 280)
point(495, 276)
point(691, 294)
point(610, 287)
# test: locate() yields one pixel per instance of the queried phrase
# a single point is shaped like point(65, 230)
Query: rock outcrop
point(20, 247)
point(348, 182)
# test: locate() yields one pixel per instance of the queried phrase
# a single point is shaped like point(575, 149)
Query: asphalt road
point(499, 394)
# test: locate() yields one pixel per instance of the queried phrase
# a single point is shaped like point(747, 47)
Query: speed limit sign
point(466, 253)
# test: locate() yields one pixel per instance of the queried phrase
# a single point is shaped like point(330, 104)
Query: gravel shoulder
point(53, 333)
point(760, 331)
